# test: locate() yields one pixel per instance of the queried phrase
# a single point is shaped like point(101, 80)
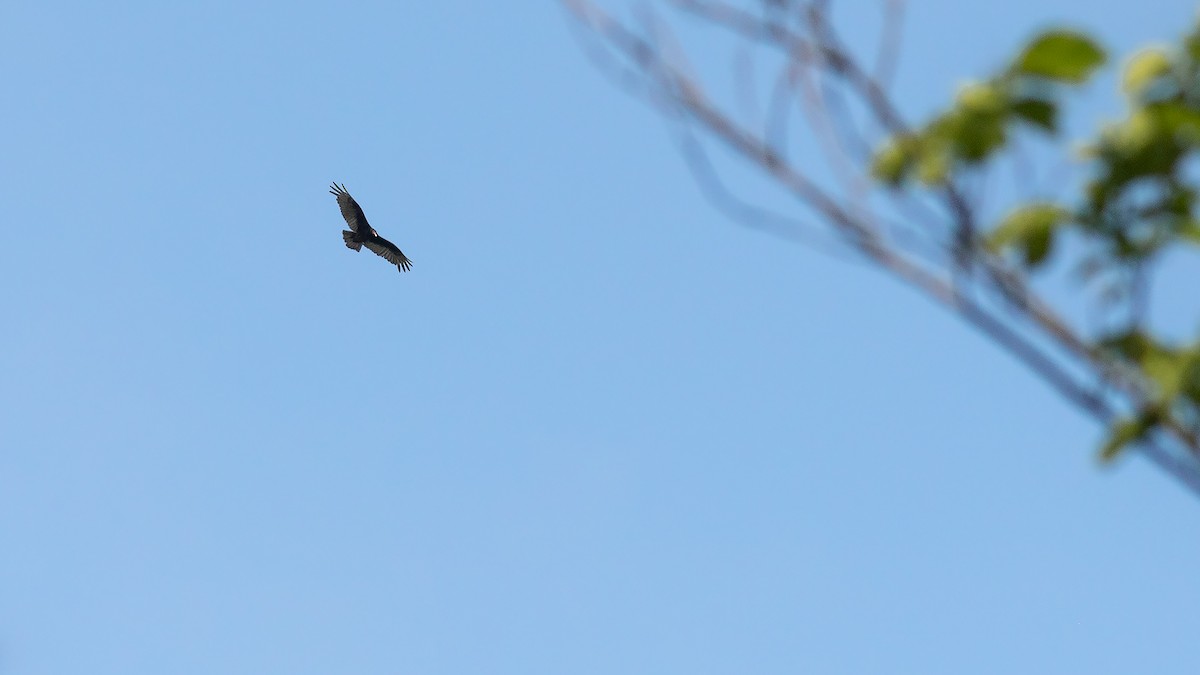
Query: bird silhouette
point(362, 234)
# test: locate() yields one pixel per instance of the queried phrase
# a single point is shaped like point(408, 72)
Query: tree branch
point(1029, 330)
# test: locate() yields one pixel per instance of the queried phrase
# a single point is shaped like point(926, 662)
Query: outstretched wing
point(351, 211)
point(388, 251)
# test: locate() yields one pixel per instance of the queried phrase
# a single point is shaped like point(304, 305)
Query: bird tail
point(348, 237)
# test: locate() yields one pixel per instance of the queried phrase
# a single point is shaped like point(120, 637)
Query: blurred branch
point(834, 90)
point(888, 57)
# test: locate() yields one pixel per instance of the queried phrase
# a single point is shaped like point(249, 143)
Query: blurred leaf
point(1124, 432)
point(1150, 143)
point(1061, 55)
point(1133, 345)
point(1133, 135)
point(892, 161)
point(934, 165)
point(983, 98)
point(1145, 67)
point(1190, 232)
point(1165, 368)
point(1190, 377)
point(978, 137)
point(975, 128)
point(1037, 112)
point(1192, 43)
point(1029, 229)
point(1179, 200)
point(1180, 118)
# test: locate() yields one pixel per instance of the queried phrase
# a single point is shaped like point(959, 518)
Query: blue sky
point(597, 429)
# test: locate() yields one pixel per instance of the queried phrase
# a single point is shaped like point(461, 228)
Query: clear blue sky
point(597, 429)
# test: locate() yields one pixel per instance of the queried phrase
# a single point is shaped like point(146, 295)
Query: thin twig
point(887, 59)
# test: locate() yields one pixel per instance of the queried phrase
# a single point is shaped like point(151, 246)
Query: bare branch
point(785, 227)
point(888, 57)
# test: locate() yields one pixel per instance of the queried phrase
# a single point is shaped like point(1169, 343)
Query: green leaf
point(1192, 43)
point(1062, 55)
point(981, 98)
point(1132, 345)
point(1124, 432)
point(1190, 232)
point(1133, 136)
point(933, 166)
point(1037, 112)
point(1165, 368)
point(1145, 67)
point(978, 137)
point(1029, 229)
point(1190, 378)
point(892, 161)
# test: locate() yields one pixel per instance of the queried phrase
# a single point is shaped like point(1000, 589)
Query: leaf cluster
point(1140, 197)
point(984, 114)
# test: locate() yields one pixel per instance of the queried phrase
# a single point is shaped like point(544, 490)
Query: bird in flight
point(362, 234)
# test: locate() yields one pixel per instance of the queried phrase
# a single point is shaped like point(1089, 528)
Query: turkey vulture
point(361, 233)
